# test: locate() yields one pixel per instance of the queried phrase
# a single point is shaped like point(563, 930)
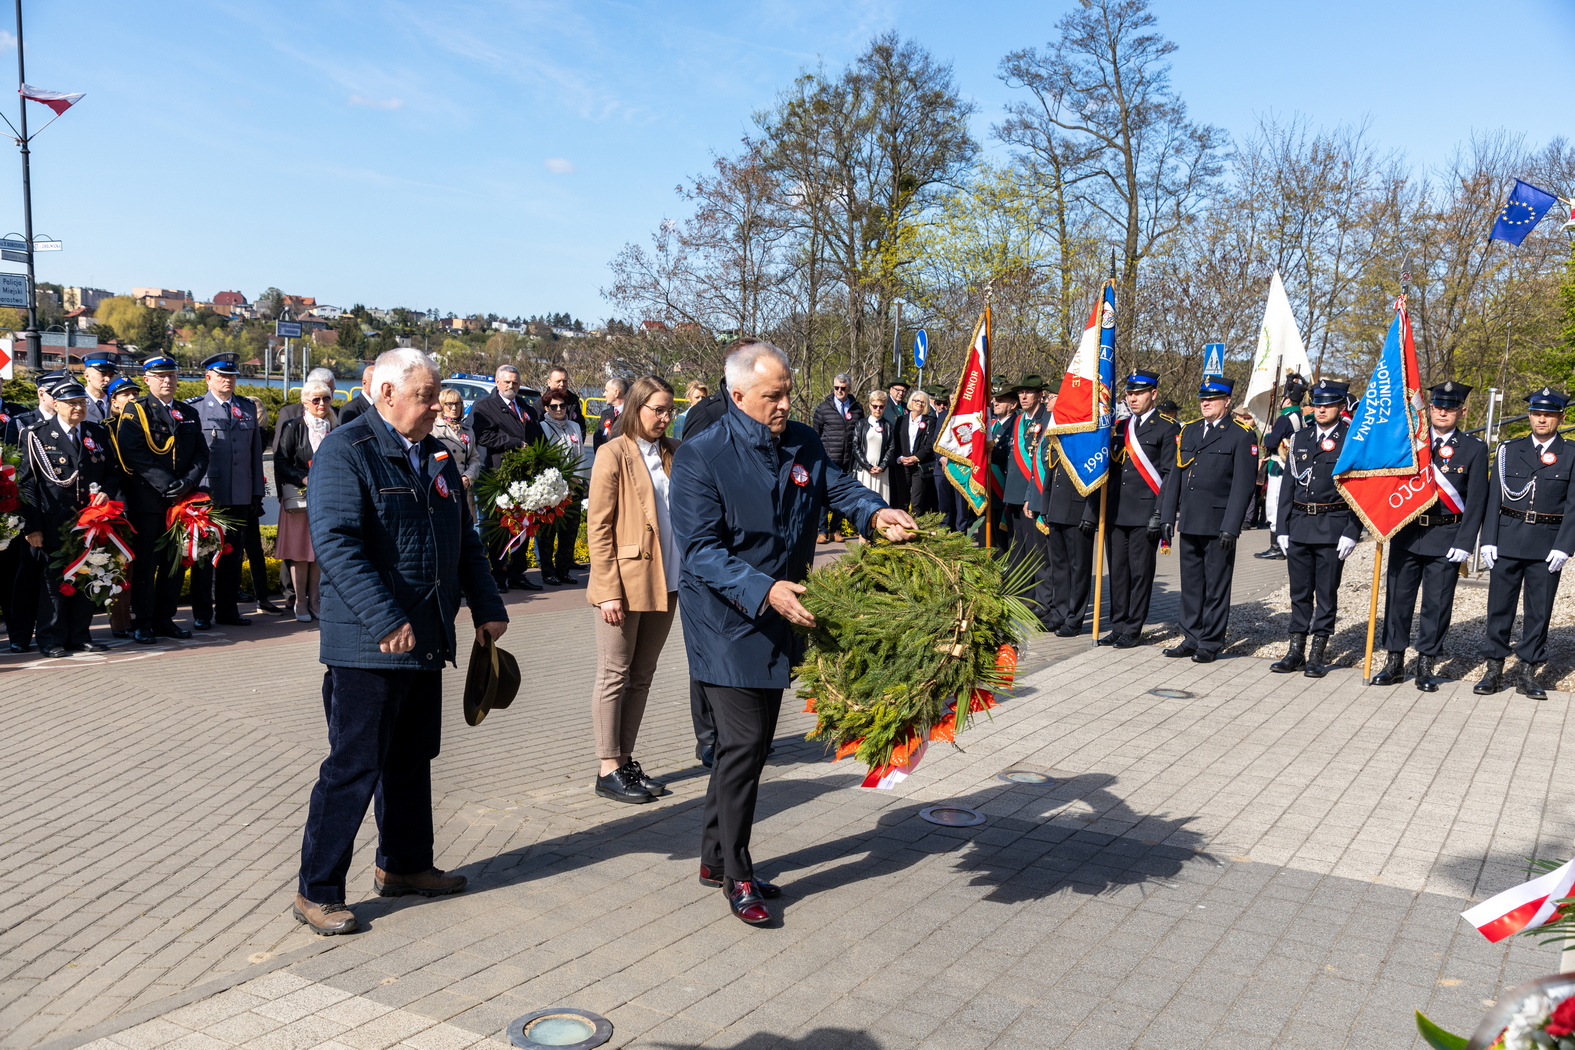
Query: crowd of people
point(379, 539)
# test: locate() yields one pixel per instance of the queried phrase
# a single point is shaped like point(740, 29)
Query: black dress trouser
point(700, 714)
point(1505, 582)
point(1314, 570)
point(1071, 556)
point(1132, 558)
point(63, 621)
point(216, 588)
point(19, 575)
point(1206, 573)
point(746, 721)
point(156, 577)
point(1436, 576)
point(1027, 544)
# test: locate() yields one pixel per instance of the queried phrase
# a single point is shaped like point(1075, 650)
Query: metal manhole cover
point(952, 816)
point(1024, 776)
point(1172, 694)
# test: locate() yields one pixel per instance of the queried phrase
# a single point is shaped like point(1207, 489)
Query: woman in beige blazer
point(634, 581)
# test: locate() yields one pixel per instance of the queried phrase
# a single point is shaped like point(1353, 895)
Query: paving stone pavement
point(1272, 861)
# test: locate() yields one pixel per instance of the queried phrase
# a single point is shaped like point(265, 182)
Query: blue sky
point(483, 155)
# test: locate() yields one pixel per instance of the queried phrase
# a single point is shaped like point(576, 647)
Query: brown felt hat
point(491, 681)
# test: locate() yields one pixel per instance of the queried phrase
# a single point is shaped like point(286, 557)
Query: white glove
point(1556, 560)
point(1457, 555)
point(1489, 554)
point(1285, 544)
point(1344, 547)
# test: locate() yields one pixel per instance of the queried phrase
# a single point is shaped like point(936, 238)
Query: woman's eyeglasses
point(668, 411)
point(317, 400)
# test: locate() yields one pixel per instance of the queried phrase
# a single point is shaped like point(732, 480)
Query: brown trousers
point(626, 662)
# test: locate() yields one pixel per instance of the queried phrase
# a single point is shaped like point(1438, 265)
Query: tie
point(517, 413)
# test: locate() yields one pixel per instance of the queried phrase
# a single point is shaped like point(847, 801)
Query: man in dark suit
point(613, 393)
point(65, 460)
point(1144, 455)
point(1528, 533)
point(1316, 530)
point(558, 382)
point(160, 445)
point(896, 401)
point(1202, 505)
point(1427, 552)
point(503, 421)
point(235, 482)
point(392, 531)
point(360, 400)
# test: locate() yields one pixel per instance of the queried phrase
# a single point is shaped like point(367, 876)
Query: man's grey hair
point(620, 384)
point(321, 375)
point(744, 363)
point(843, 378)
point(396, 366)
point(509, 368)
point(316, 384)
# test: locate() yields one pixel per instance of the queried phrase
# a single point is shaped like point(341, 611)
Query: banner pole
point(1099, 553)
point(989, 414)
point(1372, 613)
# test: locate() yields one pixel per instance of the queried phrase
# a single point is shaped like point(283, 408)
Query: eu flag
point(1525, 208)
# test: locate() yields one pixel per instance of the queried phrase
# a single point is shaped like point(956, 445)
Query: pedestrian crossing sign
point(1214, 359)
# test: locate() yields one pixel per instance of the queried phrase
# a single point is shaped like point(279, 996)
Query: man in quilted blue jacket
point(392, 532)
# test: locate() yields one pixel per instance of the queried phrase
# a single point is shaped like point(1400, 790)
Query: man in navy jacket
point(392, 532)
point(748, 495)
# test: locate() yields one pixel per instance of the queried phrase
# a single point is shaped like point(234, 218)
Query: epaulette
point(195, 400)
point(1244, 425)
point(1169, 419)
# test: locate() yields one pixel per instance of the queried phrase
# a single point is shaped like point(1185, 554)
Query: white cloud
point(559, 166)
point(376, 103)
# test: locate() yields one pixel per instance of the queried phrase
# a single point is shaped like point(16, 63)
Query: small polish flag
point(59, 101)
point(1523, 907)
point(887, 777)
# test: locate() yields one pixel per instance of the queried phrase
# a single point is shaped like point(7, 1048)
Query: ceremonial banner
point(1081, 419)
point(1523, 907)
point(1280, 349)
point(961, 441)
point(1385, 467)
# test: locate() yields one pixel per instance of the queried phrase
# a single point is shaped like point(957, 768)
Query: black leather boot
point(1393, 672)
point(1424, 674)
point(1316, 668)
point(1493, 680)
point(1526, 681)
point(1295, 657)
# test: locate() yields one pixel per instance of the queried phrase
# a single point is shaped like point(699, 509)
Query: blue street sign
point(1214, 359)
point(287, 329)
point(921, 348)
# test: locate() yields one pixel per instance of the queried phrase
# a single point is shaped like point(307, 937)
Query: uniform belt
point(1531, 517)
point(1318, 508)
point(1429, 520)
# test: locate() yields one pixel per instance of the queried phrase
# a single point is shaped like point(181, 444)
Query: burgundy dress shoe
point(712, 878)
point(746, 903)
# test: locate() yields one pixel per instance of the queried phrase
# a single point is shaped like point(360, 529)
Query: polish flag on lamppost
point(59, 101)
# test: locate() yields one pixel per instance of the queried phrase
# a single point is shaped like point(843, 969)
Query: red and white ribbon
point(1145, 466)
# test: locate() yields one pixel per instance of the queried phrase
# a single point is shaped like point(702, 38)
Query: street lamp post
point(35, 352)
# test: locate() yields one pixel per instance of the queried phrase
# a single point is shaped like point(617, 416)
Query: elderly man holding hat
point(160, 445)
point(98, 371)
point(1202, 505)
point(1316, 530)
point(1527, 536)
point(235, 482)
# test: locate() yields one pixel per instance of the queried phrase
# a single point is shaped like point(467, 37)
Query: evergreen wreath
point(902, 631)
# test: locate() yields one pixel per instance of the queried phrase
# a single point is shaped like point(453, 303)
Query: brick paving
point(1274, 861)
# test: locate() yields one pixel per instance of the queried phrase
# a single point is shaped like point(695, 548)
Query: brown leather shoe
point(429, 883)
point(325, 919)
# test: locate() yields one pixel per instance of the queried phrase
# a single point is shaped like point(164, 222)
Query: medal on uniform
point(442, 486)
point(1446, 451)
point(175, 413)
point(1327, 444)
point(800, 475)
point(1549, 458)
point(88, 444)
point(235, 410)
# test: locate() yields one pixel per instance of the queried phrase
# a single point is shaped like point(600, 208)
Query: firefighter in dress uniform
point(1527, 536)
point(1202, 506)
point(235, 482)
point(65, 460)
point(1291, 420)
point(1315, 529)
point(1068, 545)
point(1427, 553)
point(159, 443)
point(1144, 457)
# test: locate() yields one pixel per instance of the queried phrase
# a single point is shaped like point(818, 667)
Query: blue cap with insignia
point(1547, 400)
point(68, 390)
point(1141, 380)
point(1215, 386)
point(49, 380)
point(1329, 392)
point(102, 364)
point(1450, 394)
point(159, 364)
point(120, 383)
point(226, 364)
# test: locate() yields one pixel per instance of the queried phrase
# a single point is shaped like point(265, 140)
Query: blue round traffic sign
point(921, 348)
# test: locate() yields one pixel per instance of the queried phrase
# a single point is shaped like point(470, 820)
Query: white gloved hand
point(1346, 545)
point(1285, 544)
point(1556, 560)
point(1457, 555)
point(1489, 554)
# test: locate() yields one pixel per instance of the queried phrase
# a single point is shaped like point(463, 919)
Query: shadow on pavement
point(819, 1039)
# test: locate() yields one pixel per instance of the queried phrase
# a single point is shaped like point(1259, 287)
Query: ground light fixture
point(1024, 776)
point(562, 1027)
point(952, 816)
point(1172, 694)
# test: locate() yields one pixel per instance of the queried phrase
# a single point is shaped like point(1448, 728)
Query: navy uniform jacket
point(1131, 503)
point(1467, 470)
point(235, 449)
point(167, 461)
point(1532, 486)
point(46, 504)
point(1060, 503)
point(1309, 479)
point(395, 547)
point(1211, 486)
point(1025, 438)
point(11, 425)
point(745, 511)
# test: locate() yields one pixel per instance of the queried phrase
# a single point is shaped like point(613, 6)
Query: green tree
point(352, 341)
